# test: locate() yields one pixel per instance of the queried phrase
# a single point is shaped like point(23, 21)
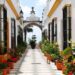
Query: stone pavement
point(34, 63)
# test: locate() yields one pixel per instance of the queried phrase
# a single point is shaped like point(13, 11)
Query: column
point(60, 33)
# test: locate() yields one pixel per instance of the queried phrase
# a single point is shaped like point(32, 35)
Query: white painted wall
point(73, 21)
point(10, 15)
point(58, 14)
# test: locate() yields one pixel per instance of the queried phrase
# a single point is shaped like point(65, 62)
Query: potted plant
point(69, 66)
point(33, 42)
point(59, 63)
point(46, 49)
point(3, 54)
point(70, 69)
point(66, 54)
point(54, 51)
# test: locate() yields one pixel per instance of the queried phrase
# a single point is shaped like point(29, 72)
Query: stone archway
point(31, 24)
point(32, 20)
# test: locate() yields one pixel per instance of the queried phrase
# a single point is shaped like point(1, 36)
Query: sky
point(38, 5)
point(37, 32)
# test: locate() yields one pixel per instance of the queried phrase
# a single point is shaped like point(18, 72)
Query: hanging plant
point(29, 29)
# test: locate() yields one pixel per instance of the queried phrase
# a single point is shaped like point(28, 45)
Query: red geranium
point(70, 73)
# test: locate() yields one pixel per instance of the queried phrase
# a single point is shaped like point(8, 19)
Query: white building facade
point(58, 20)
point(10, 18)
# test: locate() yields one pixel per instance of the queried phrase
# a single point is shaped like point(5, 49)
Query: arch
point(30, 23)
point(38, 24)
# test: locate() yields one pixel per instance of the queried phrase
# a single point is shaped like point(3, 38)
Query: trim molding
point(13, 8)
point(54, 7)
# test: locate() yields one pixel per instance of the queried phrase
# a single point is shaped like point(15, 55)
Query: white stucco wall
point(10, 15)
point(59, 15)
point(73, 21)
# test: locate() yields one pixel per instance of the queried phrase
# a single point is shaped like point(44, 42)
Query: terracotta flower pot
point(63, 68)
point(49, 58)
point(59, 65)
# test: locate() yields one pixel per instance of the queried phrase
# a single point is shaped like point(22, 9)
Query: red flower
point(14, 59)
point(70, 73)
point(4, 61)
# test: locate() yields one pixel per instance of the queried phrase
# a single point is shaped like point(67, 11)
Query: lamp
point(21, 14)
point(2, 2)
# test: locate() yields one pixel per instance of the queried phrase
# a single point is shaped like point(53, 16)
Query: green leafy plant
point(67, 53)
point(3, 65)
point(20, 49)
point(70, 68)
point(29, 29)
point(45, 46)
point(0, 72)
point(70, 65)
point(3, 51)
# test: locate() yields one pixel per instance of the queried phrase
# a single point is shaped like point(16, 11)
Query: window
point(54, 30)
point(20, 35)
point(66, 26)
point(5, 27)
point(44, 34)
point(49, 31)
point(13, 34)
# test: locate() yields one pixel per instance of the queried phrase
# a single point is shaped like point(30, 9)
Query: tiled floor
point(35, 64)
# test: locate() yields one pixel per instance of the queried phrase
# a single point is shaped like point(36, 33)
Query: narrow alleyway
point(35, 64)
